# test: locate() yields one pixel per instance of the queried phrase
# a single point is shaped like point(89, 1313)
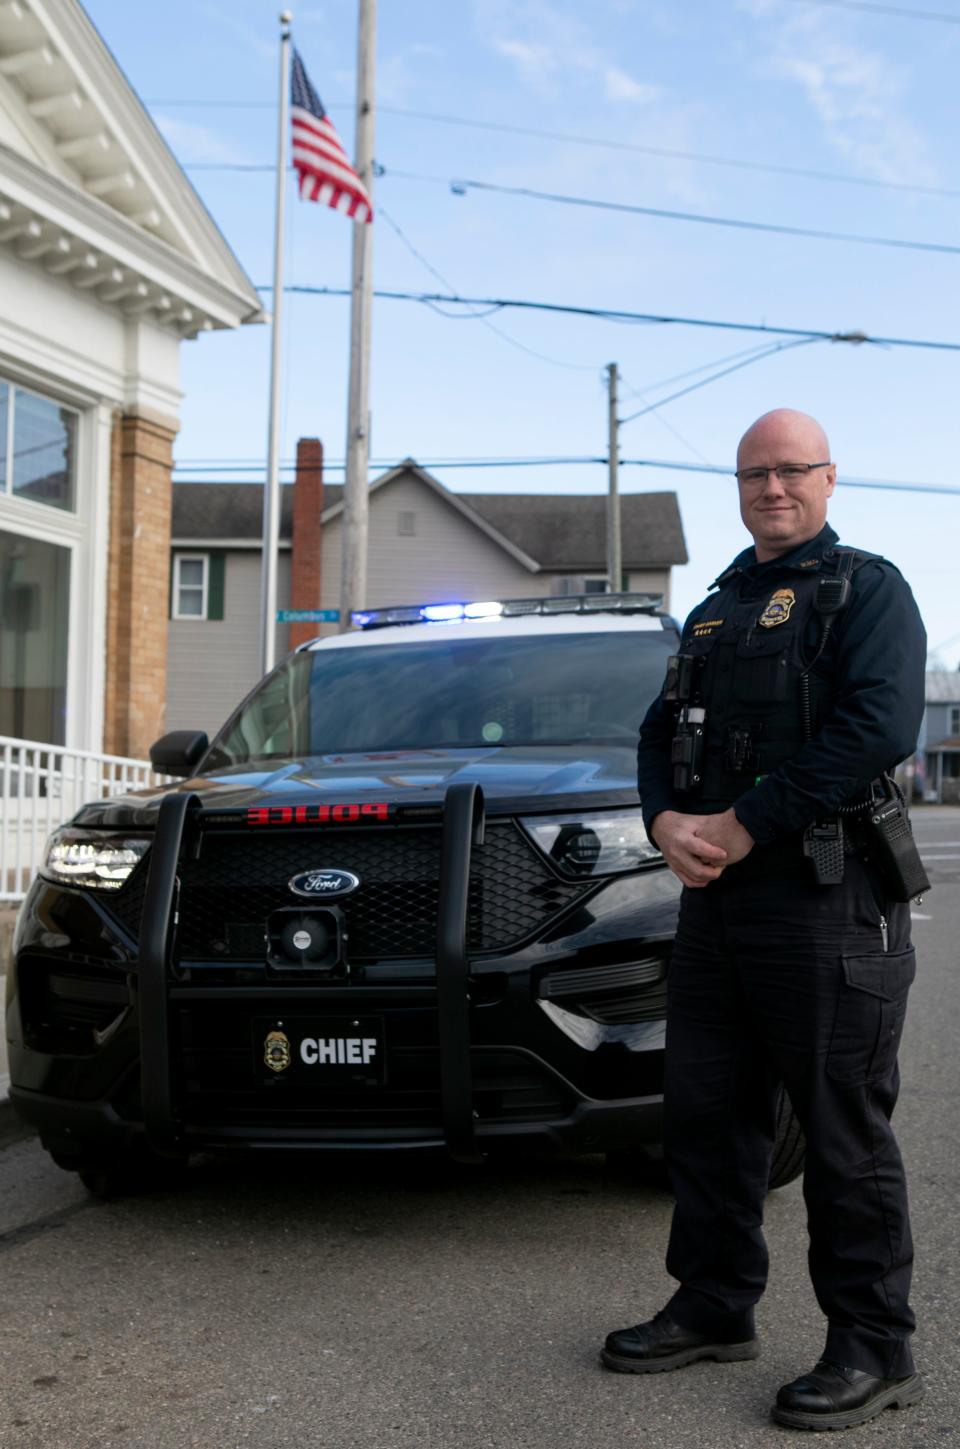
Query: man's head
point(783, 513)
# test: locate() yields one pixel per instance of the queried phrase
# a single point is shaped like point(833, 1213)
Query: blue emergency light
point(454, 613)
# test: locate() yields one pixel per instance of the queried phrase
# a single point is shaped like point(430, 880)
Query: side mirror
point(178, 752)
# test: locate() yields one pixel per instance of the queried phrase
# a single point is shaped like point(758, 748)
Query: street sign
point(308, 616)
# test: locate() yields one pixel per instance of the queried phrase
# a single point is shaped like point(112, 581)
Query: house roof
point(89, 188)
point(569, 530)
point(221, 512)
point(943, 686)
point(552, 532)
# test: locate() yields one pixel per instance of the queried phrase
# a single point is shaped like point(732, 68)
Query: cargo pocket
point(869, 1017)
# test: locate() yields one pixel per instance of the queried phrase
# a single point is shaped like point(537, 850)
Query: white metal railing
point(41, 786)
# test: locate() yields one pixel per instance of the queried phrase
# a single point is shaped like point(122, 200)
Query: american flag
point(319, 159)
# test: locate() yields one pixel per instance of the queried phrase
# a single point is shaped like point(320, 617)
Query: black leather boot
point(834, 1397)
point(662, 1344)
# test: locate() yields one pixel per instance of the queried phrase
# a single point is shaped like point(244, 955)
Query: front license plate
point(327, 1051)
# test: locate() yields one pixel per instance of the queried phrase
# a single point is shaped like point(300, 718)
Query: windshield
point(450, 693)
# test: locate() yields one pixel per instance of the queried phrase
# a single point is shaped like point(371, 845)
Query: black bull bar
point(463, 825)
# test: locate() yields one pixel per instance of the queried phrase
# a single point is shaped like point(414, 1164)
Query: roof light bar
point(491, 610)
point(637, 603)
point(442, 613)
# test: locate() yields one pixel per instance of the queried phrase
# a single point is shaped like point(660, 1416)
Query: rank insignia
point(778, 609)
point(276, 1051)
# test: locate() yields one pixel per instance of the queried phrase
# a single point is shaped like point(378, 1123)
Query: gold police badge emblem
point(778, 609)
point(276, 1051)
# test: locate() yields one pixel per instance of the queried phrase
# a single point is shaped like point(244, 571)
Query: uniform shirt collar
point(806, 557)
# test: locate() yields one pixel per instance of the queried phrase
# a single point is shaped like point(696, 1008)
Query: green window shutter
point(215, 586)
point(170, 588)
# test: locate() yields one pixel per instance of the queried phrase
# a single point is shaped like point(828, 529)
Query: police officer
point(800, 682)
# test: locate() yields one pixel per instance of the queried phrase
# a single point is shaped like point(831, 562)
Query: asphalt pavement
point(401, 1304)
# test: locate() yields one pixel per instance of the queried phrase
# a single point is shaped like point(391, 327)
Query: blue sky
point(862, 95)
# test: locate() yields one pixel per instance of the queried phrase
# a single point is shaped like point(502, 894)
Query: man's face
point(782, 513)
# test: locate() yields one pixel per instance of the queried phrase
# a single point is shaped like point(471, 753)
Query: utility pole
point(614, 555)
point(271, 487)
point(354, 520)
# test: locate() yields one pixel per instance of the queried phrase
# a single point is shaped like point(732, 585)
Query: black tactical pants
point(776, 979)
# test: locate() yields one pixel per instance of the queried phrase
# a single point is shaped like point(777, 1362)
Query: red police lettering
point(317, 814)
point(378, 812)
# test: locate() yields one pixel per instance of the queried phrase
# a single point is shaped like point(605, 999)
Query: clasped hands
point(697, 848)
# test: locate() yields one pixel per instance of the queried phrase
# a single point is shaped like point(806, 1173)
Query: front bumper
point(68, 1127)
point(482, 1054)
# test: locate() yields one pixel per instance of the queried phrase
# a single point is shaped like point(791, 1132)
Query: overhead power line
point(613, 314)
point(887, 484)
point(504, 336)
point(231, 166)
point(569, 138)
point(460, 185)
point(586, 460)
point(715, 376)
point(898, 10)
point(755, 350)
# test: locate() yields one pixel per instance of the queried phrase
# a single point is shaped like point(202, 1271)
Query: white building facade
point(108, 262)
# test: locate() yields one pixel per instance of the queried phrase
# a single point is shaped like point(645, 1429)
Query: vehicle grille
point(240, 879)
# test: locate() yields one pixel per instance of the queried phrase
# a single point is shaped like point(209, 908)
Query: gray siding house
point(937, 761)
point(426, 544)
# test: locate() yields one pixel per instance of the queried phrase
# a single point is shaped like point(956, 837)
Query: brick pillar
point(138, 583)
point(306, 554)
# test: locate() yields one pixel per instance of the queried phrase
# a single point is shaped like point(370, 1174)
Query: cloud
point(855, 91)
point(259, 39)
point(551, 46)
point(195, 143)
point(537, 62)
point(622, 87)
point(402, 73)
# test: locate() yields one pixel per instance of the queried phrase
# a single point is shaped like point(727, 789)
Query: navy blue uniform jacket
point(877, 657)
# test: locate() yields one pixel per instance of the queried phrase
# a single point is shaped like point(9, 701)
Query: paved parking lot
point(395, 1304)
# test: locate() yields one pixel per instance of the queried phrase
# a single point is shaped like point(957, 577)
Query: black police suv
point(403, 900)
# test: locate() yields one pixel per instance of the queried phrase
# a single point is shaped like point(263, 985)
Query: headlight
point(92, 859)
point(589, 844)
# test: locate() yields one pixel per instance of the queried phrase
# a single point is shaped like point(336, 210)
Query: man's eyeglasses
point(786, 472)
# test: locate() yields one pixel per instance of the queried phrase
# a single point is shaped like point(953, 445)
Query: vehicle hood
point(518, 777)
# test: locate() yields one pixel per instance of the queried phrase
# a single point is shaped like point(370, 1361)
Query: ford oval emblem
point(324, 884)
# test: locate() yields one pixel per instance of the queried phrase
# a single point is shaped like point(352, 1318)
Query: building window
point(406, 524)
point(594, 586)
point(955, 719)
point(34, 631)
point(196, 586)
point(38, 448)
point(191, 580)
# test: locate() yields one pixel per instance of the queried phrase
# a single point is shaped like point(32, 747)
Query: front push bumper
point(147, 1104)
point(70, 1127)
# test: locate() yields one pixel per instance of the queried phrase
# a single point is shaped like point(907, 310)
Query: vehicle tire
point(124, 1174)
point(789, 1149)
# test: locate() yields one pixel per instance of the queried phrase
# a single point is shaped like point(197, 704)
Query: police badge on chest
point(778, 609)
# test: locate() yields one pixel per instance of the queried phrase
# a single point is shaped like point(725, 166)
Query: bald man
point(800, 684)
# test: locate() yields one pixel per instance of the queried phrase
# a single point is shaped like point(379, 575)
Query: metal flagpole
point(353, 575)
point(271, 491)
